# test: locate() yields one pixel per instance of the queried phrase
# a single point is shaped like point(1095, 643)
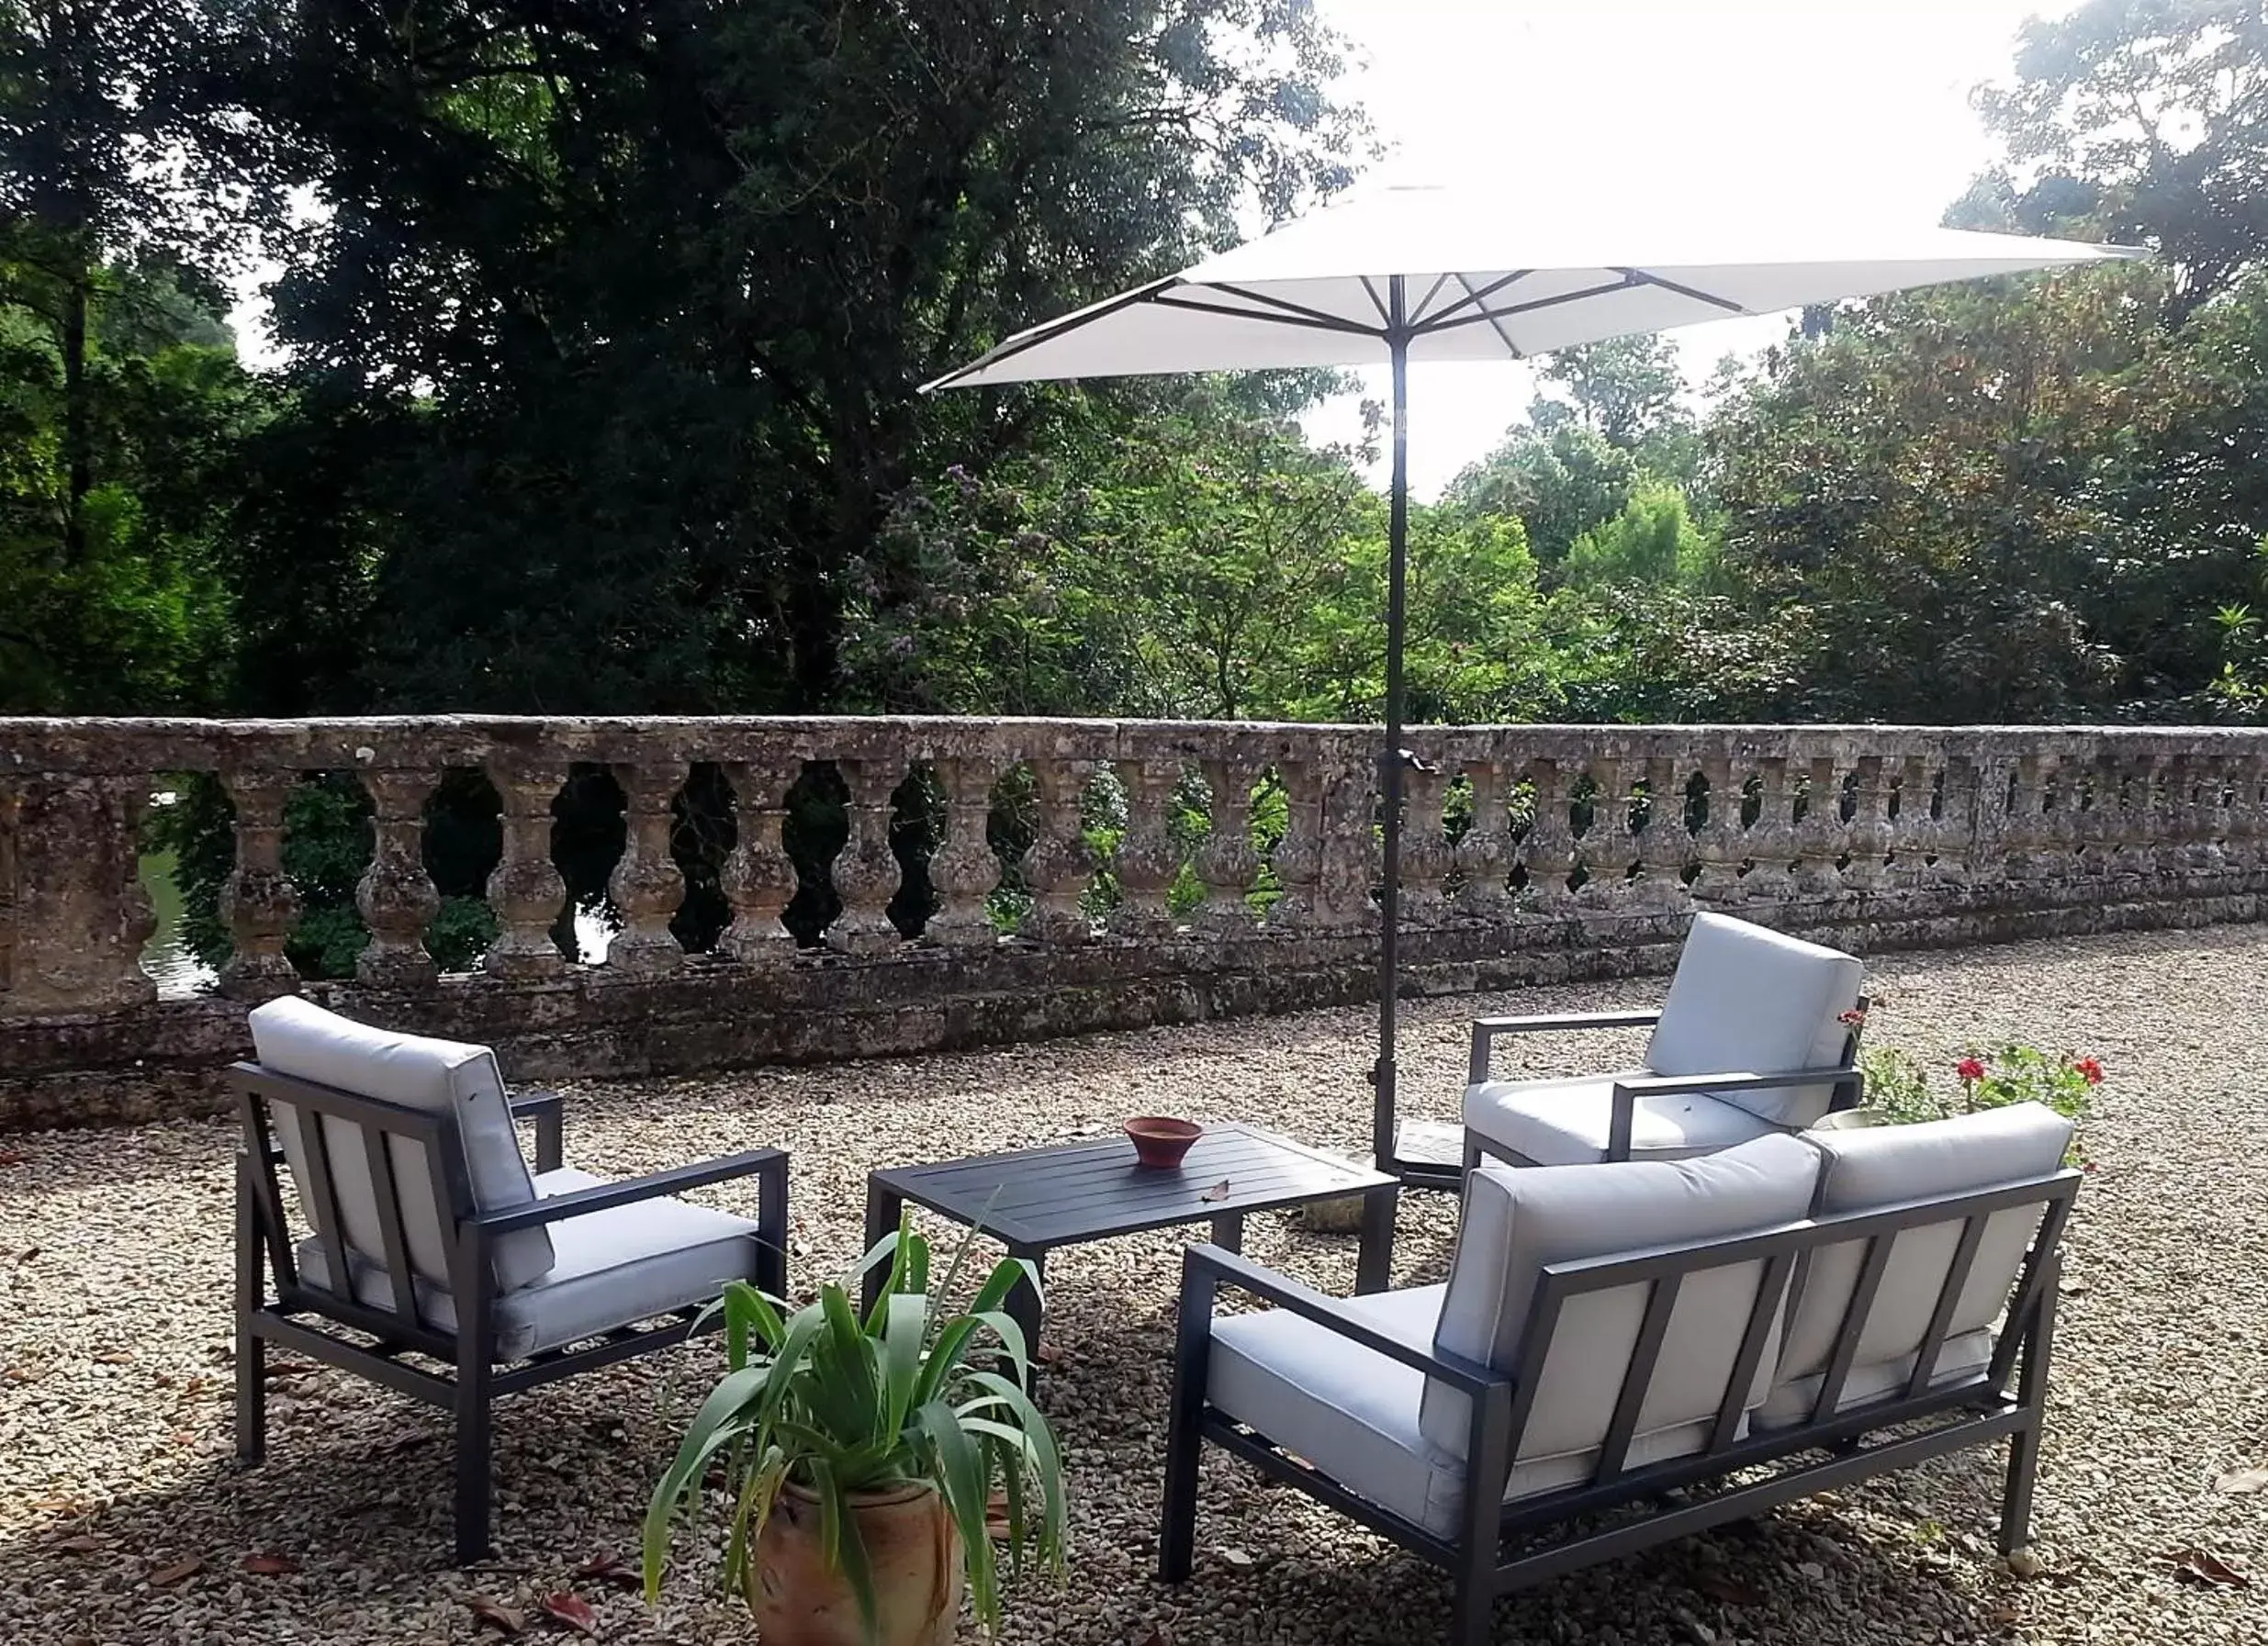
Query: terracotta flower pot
point(912, 1549)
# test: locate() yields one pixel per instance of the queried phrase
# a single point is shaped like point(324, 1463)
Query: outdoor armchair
point(439, 1264)
point(1799, 1312)
point(1758, 1035)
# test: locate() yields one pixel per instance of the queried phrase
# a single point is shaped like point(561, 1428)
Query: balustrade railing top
point(965, 833)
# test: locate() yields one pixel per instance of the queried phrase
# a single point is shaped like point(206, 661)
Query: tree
point(1655, 541)
point(1627, 390)
point(1557, 485)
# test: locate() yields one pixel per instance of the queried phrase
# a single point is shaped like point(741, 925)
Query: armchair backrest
point(1518, 1221)
point(295, 1037)
point(1747, 1000)
point(1870, 1168)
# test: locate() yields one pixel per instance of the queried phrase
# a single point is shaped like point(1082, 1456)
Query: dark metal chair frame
point(1857, 1444)
point(1849, 1079)
point(305, 1319)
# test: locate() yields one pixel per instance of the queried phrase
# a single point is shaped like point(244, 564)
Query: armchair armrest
point(1628, 1091)
point(548, 1111)
point(607, 1196)
point(1485, 1030)
point(1210, 1267)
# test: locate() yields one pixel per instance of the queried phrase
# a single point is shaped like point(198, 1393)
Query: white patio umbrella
point(1429, 273)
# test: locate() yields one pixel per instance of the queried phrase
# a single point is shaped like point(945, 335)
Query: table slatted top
point(1073, 1192)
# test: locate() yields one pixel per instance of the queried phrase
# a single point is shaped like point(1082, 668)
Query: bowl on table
point(1159, 1140)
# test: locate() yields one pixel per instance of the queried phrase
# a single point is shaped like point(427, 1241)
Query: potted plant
point(870, 1462)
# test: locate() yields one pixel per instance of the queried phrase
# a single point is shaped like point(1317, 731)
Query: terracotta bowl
point(1159, 1140)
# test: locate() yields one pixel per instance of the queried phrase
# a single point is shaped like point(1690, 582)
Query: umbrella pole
point(1377, 1237)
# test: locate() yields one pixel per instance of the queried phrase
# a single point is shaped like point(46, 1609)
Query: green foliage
point(1899, 1090)
point(836, 1406)
point(1653, 542)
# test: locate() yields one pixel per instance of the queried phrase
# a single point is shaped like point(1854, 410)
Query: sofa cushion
point(1747, 1000)
point(1868, 1167)
point(615, 1267)
point(1566, 1123)
point(296, 1037)
point(1353, 1413)
point(1963, 1359)
point(1518, 1220)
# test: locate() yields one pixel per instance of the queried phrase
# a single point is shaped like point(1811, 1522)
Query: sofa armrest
point(607, 1196)
point(1485, 1030)
point(1628, 1091)
point(1210, 1267)
point(548, 1111)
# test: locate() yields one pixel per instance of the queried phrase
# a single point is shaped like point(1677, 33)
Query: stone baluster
point(1548, 848)
point(1298, 855)
point(1146, 861)
point(1060, 865)
point(1913, 832)
point(1867, 833)
point(1666, 844)
point(2093, 817)
point(646, 887)
point(1771, 841)
point(1722, 843)
point(1349, 866)
point(1227, 862)
point(757, 879)
point(1607, 850)
point(395, 896)
point(2023, 834)
point(1426, 852)
point(1959, 821)
point(524, 888)
point(258, 899)
point(2241, 851)
point(965, 868)
point(74, 914)
point(2203, 815)
point(1819, 835)
point(866, 871)
point(1484, 858)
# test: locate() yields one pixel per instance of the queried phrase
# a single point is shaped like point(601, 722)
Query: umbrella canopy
point(1485, 277)
point(1431, 273)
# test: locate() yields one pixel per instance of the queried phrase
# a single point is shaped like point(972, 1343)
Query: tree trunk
point(78, 421)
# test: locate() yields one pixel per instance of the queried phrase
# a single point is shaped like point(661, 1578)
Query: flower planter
point(912, 1549)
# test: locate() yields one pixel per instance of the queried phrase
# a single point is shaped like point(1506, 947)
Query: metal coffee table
point(1034, 1199)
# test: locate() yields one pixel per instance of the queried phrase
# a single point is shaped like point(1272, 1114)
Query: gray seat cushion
point(1354, 1414)
point(1870, 1168)
point(614, 1268)
point(296, 1037)
point(1747, 1000)
point(1566, 1123)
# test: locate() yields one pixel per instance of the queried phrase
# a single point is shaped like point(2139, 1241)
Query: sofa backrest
point(1518, 1220)
point(295, 1037)
point(1868, 1167)
point(1747, 1000)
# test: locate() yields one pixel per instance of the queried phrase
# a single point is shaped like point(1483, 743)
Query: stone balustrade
point(1532, 852)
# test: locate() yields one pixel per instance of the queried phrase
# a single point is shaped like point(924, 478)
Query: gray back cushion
point(1750, 1001)
point(1872, 1167)
point(1516, 1220)
point(295, 1036)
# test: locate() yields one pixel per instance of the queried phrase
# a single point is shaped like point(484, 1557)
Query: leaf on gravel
point(1728, 1591)
point(115, 1356)
point(606, 1567)
point(493, 1614)
point(13, 1156)
point(280, 1369)
point(1156, 1637)
point(270, 1565)
point(1048, 1354)
point(2243, 1481)
point(571, 1610)
point(1237, 1559)
point(165, 1577)
point(28, 1253)
point(83, 1544)
point(1217, 1192)
point(2203, 1566)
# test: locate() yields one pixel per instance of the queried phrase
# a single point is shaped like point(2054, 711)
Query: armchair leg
point(1192, 1342)
point(1374, 1260)
point(771, 1222)
point(252, 1381)
point(2015, 1504)
point(473, 1400)
point(1473, 1618)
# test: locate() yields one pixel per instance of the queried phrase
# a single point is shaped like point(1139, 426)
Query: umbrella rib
point(1156, 289)
point(1496, 322)
point(1417, 314)
point(1473, 299)
point(1693, 292)
point(1494, 315)
point(1371, 292)
point(1314, 320)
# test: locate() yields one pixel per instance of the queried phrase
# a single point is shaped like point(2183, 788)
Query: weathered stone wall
point(1581, 851)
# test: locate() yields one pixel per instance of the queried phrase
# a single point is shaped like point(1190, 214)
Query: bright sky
point(1816, 99)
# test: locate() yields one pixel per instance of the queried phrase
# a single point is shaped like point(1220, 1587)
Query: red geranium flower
point(2090, 1069)
point(1969, 1069)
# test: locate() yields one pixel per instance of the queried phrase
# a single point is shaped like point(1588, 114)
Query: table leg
point(883, 1210)
point(1228, 1231)
point(1374, 1260)
point(1024, 1304)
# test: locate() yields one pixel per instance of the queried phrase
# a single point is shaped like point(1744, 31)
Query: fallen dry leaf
point(83, 1544)
point(59, 1506)
point(2203, 1566)
point(1157, 1636)
point(1048, 1353)
point(1728, 1591)
point(1217, 1192)
point(13, 1156)
point(1236, 1558)
point(2243, 1481)
point(182, 1437)
point(606, 1567)
point(270, 1565)
point(275, 1369)
point(28, 1253)
point(165, 1577)
point(571, 1610)
point(491, 1613)
point(115, 1356)
point(2005, 1615)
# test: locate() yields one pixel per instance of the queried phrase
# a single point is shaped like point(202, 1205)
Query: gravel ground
point(115, 1434)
